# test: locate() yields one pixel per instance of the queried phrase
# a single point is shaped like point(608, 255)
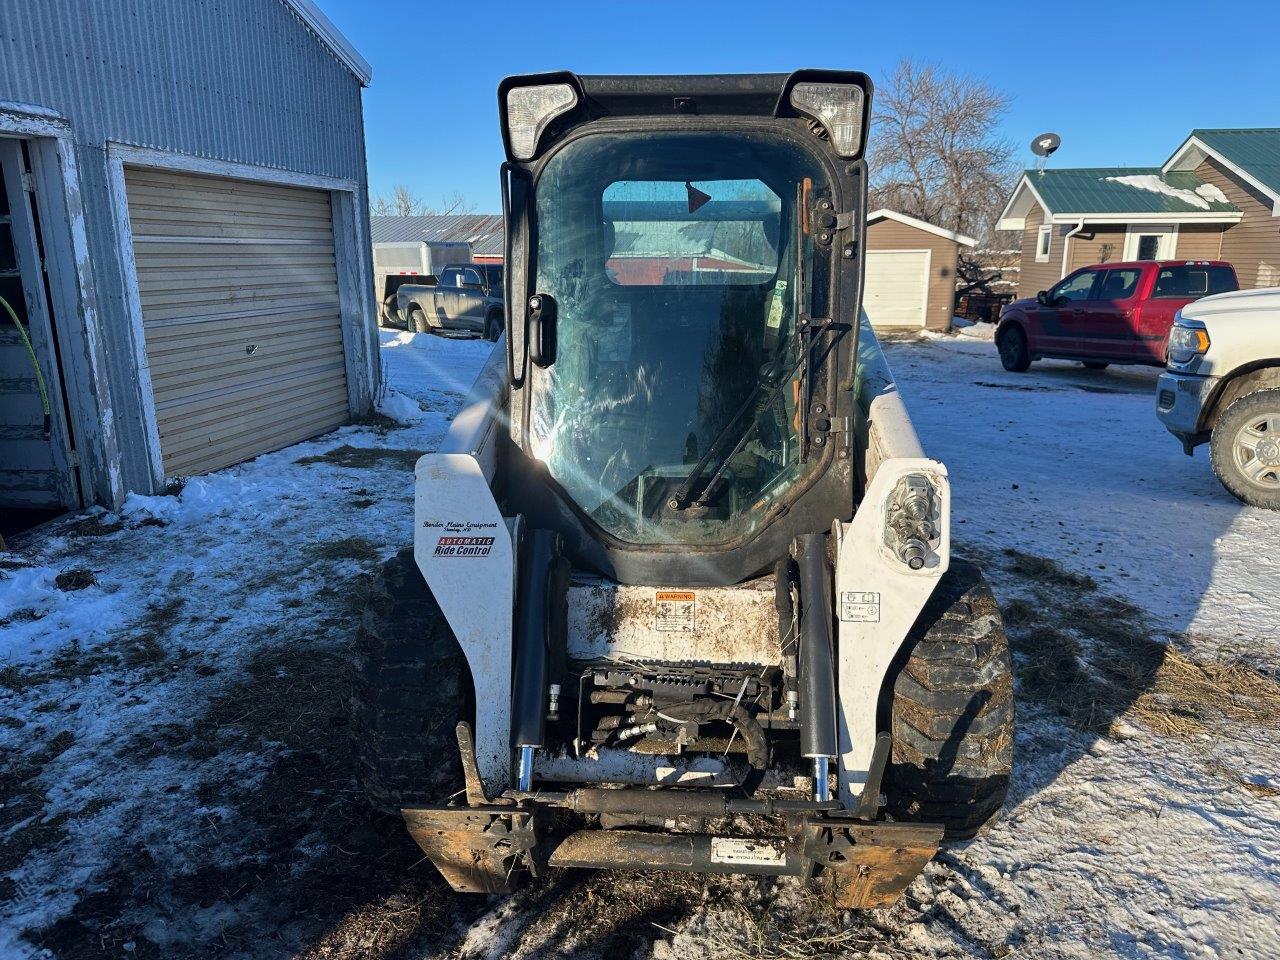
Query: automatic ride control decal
point(463, 547)
point(675, 611)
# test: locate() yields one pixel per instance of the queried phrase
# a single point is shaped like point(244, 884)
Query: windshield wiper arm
point(681, 498)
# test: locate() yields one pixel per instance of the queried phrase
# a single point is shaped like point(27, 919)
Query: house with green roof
point(1216, 198)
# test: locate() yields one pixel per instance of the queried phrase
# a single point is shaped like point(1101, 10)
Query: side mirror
point(542, 329)
point(1042, 298)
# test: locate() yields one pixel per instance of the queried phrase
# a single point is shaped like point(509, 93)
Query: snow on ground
point(176, 778)
point(108, 684)
point(1073, 465)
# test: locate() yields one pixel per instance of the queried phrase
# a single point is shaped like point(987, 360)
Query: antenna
point(1043, 147)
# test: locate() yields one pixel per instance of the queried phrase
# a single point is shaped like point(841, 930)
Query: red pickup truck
point(1108, 312)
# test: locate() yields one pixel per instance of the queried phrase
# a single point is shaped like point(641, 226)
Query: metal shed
point(184, 232)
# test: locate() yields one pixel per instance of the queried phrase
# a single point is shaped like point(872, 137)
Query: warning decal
point(674, 611)
point(859, 607)
point(763, 853)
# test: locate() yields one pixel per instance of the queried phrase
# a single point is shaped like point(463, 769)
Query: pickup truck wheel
point(390, 316)
point(952, 719)
point(417, 321)
point(411, 690)
point(1012, 346)
point(1095, 364)
point(1245, 449)
point(493, 326)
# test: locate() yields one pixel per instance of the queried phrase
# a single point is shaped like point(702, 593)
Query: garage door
point(240, 312)
point(897, 290)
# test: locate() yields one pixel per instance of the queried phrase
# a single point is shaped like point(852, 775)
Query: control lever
point(542, 329)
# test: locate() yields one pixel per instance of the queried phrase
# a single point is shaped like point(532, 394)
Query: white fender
point(463, 546)
point(878, 598)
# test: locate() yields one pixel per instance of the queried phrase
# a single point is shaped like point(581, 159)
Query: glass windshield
point(679, 263)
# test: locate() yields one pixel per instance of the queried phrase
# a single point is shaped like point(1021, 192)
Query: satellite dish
point(1045, 144)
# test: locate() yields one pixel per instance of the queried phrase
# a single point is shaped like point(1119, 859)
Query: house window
point(1150, 242)
point(1044, 239)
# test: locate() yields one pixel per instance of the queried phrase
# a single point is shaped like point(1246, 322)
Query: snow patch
point(401, 408)
point(1153, 184)
point(1212, 193)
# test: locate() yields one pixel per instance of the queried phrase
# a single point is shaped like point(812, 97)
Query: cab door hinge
point(827, 221)
point(824, 427)
point(28, 181)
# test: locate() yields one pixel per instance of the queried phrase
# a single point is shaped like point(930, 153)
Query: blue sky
point(1122, 82)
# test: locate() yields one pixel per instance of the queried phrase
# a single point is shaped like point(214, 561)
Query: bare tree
point(403, 202)
point(935, 154)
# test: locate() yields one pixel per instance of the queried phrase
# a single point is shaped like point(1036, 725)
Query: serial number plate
point(760, 853)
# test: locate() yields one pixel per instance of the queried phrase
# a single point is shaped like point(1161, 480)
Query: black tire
point(493, 326)
point(390, 314)
point(417, 322)
point(953, 711)
point(1012, 346)
point(1095, 364)
point(1230, 462)
point(412, 689)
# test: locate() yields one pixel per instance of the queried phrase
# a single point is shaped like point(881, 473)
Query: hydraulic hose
point(817, 659)
point(35, 363)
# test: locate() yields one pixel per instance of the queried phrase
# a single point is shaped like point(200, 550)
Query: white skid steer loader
point(681, 594)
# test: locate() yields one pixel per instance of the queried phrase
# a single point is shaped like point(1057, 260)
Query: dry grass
point(348, 548)
point(1186, 696)
point(1099, 662)
point(362, 458)
point(379, 422)
point(75, 579)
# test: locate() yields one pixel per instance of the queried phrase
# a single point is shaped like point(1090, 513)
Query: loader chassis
point(682, 530)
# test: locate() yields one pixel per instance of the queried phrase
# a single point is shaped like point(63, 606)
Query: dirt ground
point(177, 779)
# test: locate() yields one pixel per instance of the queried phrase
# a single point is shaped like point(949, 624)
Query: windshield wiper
point(763, 389)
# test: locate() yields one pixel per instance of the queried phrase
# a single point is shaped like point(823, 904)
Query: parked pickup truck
point(1107, 313)
point(468, 296)
point(1223, 388)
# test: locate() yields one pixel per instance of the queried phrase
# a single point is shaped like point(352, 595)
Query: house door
point(36, 478)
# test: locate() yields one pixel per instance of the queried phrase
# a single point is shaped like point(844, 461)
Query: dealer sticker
point(760, 853)
point(859, 607)
point(674, 611)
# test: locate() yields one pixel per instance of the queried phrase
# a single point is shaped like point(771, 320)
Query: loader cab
point(684, 263)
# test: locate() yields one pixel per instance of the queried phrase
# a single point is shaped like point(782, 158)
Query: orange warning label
point(674, 611)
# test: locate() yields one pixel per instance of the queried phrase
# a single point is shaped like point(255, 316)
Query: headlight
point(1187, 341)
point(838, 107)
point(530, 109)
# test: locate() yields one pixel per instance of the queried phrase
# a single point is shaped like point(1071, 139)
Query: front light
point(530, 109)
point(838, 107)
point(1186, 342)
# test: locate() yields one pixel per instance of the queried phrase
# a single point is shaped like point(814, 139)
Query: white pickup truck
point(1222, 387)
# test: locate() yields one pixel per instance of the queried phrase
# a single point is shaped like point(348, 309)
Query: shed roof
point(482, 230)
point(332, 37)
point(884, 213)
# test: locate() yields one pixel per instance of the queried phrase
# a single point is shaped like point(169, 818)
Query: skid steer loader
point(681, 595)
